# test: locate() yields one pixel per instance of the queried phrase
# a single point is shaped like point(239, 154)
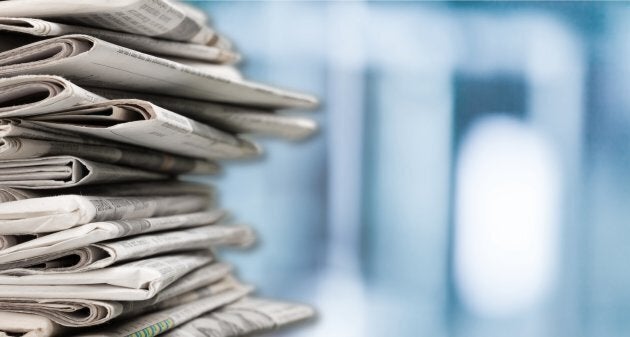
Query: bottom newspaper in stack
point(115, 261)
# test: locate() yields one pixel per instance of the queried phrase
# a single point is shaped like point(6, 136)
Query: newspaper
point(26, 139)
point(158, 18)
point(26, 129)
point(23, 148)
point(81, 236)
point(162, 321)
point(10, 240)
point(89, 61)
point(43, 28)
point(39, 94)
point(142, 123)
point(98, 256)
point(26, 325)
point(235, 119)
point(132, 281)
point(56, 213)
point(245, 317)
point(66, 171)
point(210, 279)
point(162, 188)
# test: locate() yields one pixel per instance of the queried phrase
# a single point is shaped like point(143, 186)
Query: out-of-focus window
point(470, 177)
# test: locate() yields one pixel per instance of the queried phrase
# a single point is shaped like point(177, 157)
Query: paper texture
point(243, 318)
point(51, 214)
point(89, 61)
point(66, 171)
point(39, 94)
point(158, 18)
point(44, 28)
point(142, 123)
point(161, 188)
point(81, 236)
point(132, 281)
point(24, 148)
point(170, 318)
point(98, 256)
point(206, 281)
point(26, 325)
point(236, 119)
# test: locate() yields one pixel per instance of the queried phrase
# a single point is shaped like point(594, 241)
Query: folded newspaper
point(202, 282)
point(143, 123)
point(158, 18)
point(101, 255)
point(80, 236)
point(45, 28)
point(127, 189)
point(56, 213)
point(87, 60)
point(132, 281)
point(244, 318)
point(31, 95)
point(67, 171)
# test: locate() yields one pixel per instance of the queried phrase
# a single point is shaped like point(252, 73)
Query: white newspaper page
point(162, 321)
point(82, 312)
point(133, 281)
point(98, 256)
point(206, 277)
point(84, 235)
point(39, 94)
point(137, 157)
point(44, 28)
point(12, 194)
point(231, 118)
point(51, 214)
point(27, 325)
point(142, 123)
point(66, 171)
point(21, 128)
point(134, 189)
point(243, 318)
point(158, 18)
point(89, 61)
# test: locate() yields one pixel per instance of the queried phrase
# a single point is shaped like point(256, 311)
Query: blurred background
point(470, 177)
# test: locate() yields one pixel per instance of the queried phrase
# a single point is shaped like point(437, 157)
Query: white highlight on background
point(507, 202)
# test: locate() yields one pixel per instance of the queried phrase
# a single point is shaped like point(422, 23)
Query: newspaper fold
point(162, 321)
point(157, 18)
point(66, 171)
point(243, 318)
point(231, 118)
point(133, 189)
point(43, 29)
point(142, 123)
point(209, 280)
point(89, 61)
point(42, 94)
point(14, 324)
point(81, 236)
point(98, 256)
point(132, 281)
point(51, 214)
point(30, 95)
point(24, 148)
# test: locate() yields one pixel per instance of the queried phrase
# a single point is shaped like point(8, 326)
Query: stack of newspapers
point(103, 105)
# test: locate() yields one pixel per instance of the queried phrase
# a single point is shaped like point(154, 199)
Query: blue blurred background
point(470, 177)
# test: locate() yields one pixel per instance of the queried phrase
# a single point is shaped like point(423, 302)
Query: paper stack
point(102, 105)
